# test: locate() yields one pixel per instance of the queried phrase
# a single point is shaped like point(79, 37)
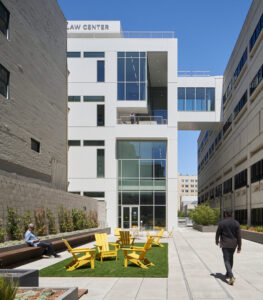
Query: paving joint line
point(139, 289)
point(217, 280)
point(184, 275)
point(118, 279)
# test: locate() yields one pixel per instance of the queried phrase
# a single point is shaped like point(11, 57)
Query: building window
point(240, 105)
point(256, 217)
point(182, 191)
point(182, 185)
point(76, 193)
point(132, 76)
point(227, 124)
point(240, 65)
point(100, 115)
point(100, 71)
point(100, 163)
point(241, 179)
point(73, 98)
point(256, 81)
point(241, 216)
point(93, 143)
point(142, 179)
point(186, 191)
point(227, 186)
point(94, 54)
point(182, 180)
point(186, 180)
point(218, 191)
point(94, 194)
point(73, 54)
point(4, 81)
point(4, 19)
point(35, 145)
point(256, 33)
point(186, 185)
point(93, 98)
point(192, 180)
point(192, 191)
point(257, 171)
point(73, 142)
point(196, 99)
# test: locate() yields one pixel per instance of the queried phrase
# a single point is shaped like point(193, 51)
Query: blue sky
point(206, 30)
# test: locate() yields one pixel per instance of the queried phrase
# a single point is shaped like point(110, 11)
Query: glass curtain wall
point(142, 180)
point(196, 99)
point(132, 76)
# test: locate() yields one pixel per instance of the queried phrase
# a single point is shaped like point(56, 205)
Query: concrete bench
point(22, 253)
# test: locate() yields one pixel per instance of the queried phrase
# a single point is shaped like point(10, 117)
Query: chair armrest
point(160, 236)
point(113, 244)
point(82, 251)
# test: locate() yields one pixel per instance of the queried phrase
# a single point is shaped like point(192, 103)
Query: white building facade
point(126, 103)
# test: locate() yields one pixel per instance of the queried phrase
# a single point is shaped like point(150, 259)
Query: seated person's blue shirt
point(30, 237)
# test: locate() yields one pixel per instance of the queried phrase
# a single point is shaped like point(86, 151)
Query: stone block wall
point(21, 196)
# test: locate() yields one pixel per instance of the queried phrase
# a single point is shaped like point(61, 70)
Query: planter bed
point(253, 236)
point(23, 277)
point(203, 228)
point(70, 293)
point(21, 253)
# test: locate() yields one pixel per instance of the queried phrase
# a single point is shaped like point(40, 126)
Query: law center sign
point(93, 27)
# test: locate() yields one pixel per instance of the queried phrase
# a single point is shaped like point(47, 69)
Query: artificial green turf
point(110, 268)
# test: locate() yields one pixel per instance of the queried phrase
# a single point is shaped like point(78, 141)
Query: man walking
point(229, 235)
point(33, 240)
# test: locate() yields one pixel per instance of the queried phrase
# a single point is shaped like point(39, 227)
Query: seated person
point(33, 241)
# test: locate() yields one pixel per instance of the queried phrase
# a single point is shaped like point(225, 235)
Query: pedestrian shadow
point(220, 276)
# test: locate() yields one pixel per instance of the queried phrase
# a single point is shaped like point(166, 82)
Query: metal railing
point(142, 120)
point(148, 34)
point(193, 73)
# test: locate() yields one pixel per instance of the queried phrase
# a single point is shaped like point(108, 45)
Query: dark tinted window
point(73, 98)
point(100, 115)
point(74, 142)
point(35, 145)
point(94, 194)
point(4, 81)
point(100, 71)
point(4, 19)
point(93, 54)
point(93, 143)
point(73, 54)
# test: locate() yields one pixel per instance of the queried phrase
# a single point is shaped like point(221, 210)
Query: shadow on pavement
point(220, 276)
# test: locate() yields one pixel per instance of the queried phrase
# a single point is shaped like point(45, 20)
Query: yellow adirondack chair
point(103, 248)
point(77, 262)
point(126, 239)
point(157, 238)
point(117, 233)
point(136, 255)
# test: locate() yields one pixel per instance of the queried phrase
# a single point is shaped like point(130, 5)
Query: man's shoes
point(231, 281)
point(227, 276)
point(56, 255)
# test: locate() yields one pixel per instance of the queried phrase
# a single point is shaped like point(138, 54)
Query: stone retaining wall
point(23, 196)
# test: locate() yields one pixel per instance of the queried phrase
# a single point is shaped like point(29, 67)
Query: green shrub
point(65, 220)
point(8, 288)
point(26, 220)
point(246, 227)
point(182, 214)
point(40, 221)
point(259, 228)
point(2, 232)
point(79, 218)
point(205, 215)
point(13, 224)
point(52, 229)
point(92, 220)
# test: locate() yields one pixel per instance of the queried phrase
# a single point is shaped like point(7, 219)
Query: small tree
point(26, 220)
point(13, 224)
point(205, 215)
point(51, 222)
point(65, 220)
point(79, 219)
point(40, 221)
point(8, 288)
point(2, 233)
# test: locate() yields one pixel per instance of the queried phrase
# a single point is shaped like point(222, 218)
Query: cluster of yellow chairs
point(136, 255)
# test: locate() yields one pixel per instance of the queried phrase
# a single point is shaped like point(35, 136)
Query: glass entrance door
point(130, 216)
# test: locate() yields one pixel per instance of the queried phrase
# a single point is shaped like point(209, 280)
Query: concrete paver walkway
point(195, 272)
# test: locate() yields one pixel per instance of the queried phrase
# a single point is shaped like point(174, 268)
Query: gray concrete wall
point(24, 196)
point(35, 56)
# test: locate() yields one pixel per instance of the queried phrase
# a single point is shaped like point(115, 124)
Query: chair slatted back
point(125, 238)
point(102, 241)
point(117, 231)
point(159, 235)
point(147, 246)
point(69, 249)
